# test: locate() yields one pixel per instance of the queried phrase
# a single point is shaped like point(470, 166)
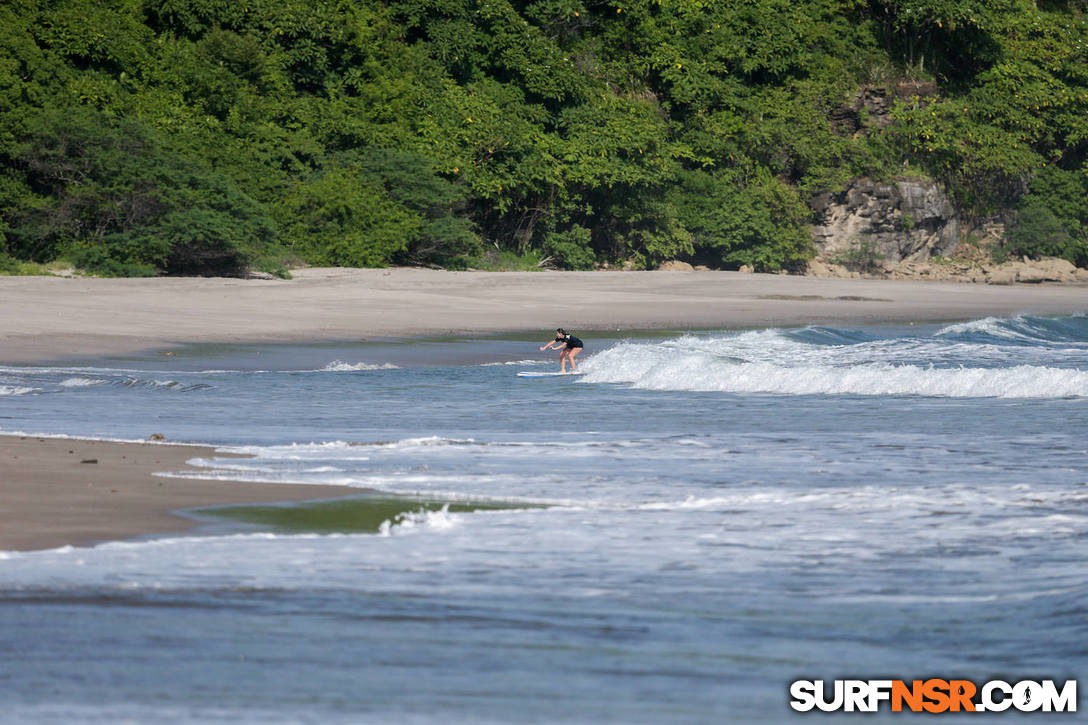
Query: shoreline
point(54, 318)
point(51, 499)
point(52, 496)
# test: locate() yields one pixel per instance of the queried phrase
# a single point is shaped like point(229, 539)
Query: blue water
point(723, 513)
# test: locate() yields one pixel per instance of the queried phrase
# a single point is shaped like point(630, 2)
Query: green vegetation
point(214, 137)
point(1053, 218)
point(11, 266)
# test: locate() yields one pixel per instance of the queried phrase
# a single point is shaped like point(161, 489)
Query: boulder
point(675, 266)
point(1031, 273)
point(1060, 270)
point(1047, 269)
point(1004, 274)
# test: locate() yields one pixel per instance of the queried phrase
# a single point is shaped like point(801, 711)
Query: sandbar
point(51, 495)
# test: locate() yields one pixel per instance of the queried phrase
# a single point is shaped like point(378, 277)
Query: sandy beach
point(52, 499)
point(68, 492)
point(51, 317)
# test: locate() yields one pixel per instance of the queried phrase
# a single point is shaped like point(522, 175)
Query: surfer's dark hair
point(561, 331)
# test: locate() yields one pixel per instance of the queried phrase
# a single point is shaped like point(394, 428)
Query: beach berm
point(52, 317)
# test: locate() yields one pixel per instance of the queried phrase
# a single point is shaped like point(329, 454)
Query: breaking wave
point(1022, 330)
point(16, 390)
point(999, 358)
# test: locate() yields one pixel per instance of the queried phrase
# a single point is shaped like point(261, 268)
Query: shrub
point(8, 264)
point(98, 260)
point(503, 260)
point(759, 221)
point(118, 203)
point(377, 208)
point(1053, 218)
point(571, 249)
point(1039, 233)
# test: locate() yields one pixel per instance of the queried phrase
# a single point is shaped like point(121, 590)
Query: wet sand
point(51, 495)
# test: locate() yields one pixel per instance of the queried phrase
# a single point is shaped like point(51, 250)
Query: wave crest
point(1021, 330)
point(986, 358)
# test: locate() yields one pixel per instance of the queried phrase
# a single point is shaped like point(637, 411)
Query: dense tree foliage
point(212, 136)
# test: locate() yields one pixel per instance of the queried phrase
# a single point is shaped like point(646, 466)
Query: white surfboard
point(536, 374)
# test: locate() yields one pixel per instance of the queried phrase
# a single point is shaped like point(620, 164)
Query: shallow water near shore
point(672, 537)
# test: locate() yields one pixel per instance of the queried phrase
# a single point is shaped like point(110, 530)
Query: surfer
point(573, 347)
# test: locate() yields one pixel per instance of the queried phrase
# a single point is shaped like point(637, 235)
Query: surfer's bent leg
point(571, 352)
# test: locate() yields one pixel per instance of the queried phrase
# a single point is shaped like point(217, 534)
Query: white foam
point(81, 382)
point(989, 325)
point(269, 476)
point(515, 362)
point(427, 442)
point(296, 450)
point(1019, 329)
point(341, 450)
point(17, 390)
point(402, 523)
point(340, 366)
point(258, 467)
point(772, 362)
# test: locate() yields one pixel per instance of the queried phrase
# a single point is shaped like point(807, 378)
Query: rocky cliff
point(901, 220)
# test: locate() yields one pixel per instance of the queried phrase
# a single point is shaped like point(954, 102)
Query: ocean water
point(671, 537)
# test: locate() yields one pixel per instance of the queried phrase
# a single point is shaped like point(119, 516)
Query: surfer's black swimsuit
point(571, 340)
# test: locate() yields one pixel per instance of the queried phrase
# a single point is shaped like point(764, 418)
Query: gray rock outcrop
point(901, 220)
